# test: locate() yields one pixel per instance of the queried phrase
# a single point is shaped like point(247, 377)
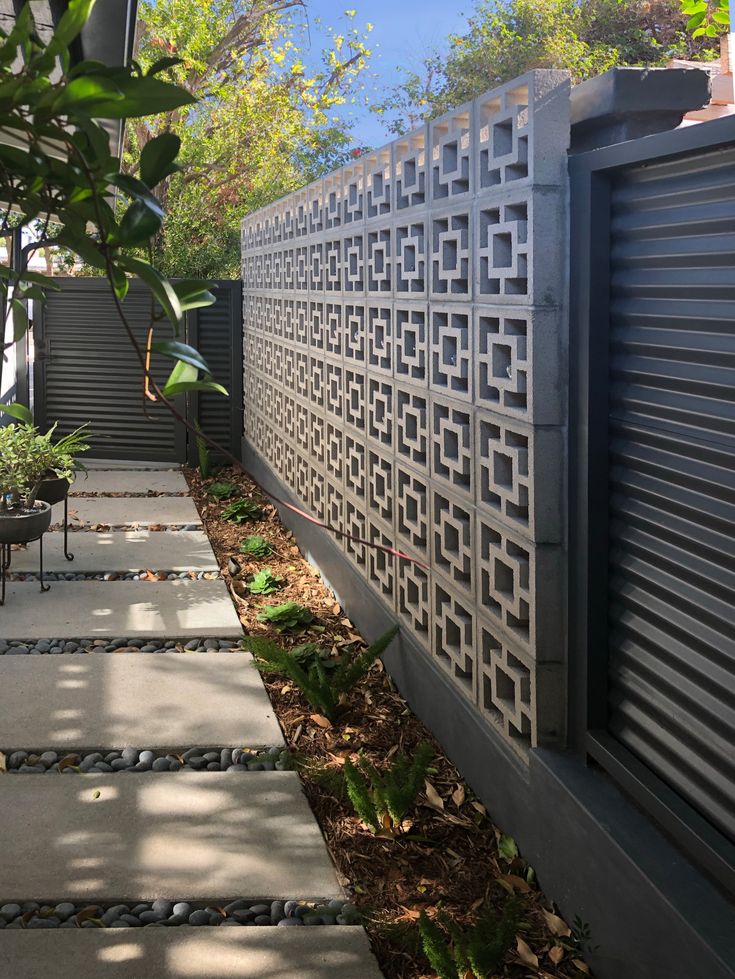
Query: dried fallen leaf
point(3, 763)
point(514, 882)
point(321, 720)
point(69, 761)
point(525, 954)
point(433, 798)
point(458, 796)
point(556, 925)
point(582, 966)
point(556, 954)
point(479, 807)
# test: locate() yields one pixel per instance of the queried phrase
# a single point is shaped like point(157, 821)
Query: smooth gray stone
point(64, 911)
point(200, 917)
point(161, 765)
point(181, 908)
point(163, 907)
point(130, 755)
point(285, 922)
point(9, 911)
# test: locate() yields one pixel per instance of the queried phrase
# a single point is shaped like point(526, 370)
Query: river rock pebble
point(46, 647)
point(135, 760)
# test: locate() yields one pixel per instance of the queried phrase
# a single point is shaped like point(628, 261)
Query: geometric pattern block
point(451, 351)
point(380, 412)
point(381, 565)
point(413, 602)
point(378, 183)
point(353, 191)
point(409, 170)
point(503, 470)
point(354, 323)
point(506, 686)
point(451, 441)
point(380, 338)
point(450, 155)
point(452, 532)
point(410, 262)
point(380, 486)
point(355, 526)
point(354, 398)
point(353, 277)
point(412, 437)
point(453, 641)
point(502, 359)
point(451, 274)
point(411, 344)
point(505, 583)
point(503, 249)
point(334, 442)
point(379, 262)
point(354, 467)
point(412, 510)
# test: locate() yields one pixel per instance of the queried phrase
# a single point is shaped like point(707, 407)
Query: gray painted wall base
point(652, 913)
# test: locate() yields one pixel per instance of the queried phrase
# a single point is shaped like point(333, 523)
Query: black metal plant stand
point(6, 557)
point(67, 555)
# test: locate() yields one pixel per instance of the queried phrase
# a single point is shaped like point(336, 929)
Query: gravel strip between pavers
point(96, 528)
point(25, 647)
point(149, 574)
point(21, 762)
point(163, 913)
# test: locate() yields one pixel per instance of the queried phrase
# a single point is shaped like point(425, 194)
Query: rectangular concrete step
point(201, 836)
point(121, 550)
point(77, 609)
point(139, 700)
point(133, 511)
point(190, 953)
point(130, 481)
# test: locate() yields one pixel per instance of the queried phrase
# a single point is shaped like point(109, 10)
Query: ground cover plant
point(286, 617)
point(383, 799)
point(454, 861)
point(265, 583)
point(242, 511)
point(221, 491)
point(256, 546)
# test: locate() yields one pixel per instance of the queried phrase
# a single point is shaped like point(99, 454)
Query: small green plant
point(382, 799)
point(478, 951)
point(256, 546)
point(222, 491)
point(285, 618)
point(265, 583)
point(242, 511)
point(203, 453)
point(579, 942)
point(323, 679)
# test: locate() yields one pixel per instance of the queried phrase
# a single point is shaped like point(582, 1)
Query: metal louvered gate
point(85, 370)
point(653, 476)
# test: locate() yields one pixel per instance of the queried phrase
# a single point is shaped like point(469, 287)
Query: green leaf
point(83, 246)
point(157, 158)
point(159, 286)
point(507, 848)
point(86, 93)
point(71, 23)
point(193, 293)
point(20, 319)
point(184, 378)
point(143, 97)
point(695, 21)
point(162, 64)
point(141, 221)
point(18, 411)
point(181, 351)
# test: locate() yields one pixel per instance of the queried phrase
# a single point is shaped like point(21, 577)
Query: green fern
point(360, 797)
point(265, 583)
point(478, 949)
point(322, 678)
point(205, 459)
point(242, 511)
point(256, 546)
point(393, 792)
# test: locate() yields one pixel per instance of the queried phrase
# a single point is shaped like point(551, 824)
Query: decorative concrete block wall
point(405, 337)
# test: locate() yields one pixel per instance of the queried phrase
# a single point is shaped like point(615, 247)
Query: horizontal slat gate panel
point(91, 373)
point(217, 326)
point(672, 475)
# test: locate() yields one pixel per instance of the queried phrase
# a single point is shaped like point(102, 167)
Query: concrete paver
point(130, 511)
point(144, 700)
point(201, 836)
point(120, 551)
point(190, 953)
point(134, 609)
point(129, 481)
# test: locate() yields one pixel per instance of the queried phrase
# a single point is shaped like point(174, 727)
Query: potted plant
point(23, 517)
point(35, 473)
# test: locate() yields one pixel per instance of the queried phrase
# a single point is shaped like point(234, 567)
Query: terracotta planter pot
point(22, 526)
point(53, 490)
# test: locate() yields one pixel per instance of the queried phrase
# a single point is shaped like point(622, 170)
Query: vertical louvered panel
point(218, 338)
point(86, 371)
point(672, 474)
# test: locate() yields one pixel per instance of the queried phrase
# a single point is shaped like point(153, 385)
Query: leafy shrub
point(28, 456)
point(478, 951)
point(221, 491)
point(286, 617)
point(265, 583)
point(242, 511)
point(382, 799)
point(323, 679)
point(256, 546)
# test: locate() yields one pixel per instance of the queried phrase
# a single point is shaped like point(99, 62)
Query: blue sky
point(403, 32)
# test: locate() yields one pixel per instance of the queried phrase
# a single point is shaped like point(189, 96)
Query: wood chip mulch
point(449, 858)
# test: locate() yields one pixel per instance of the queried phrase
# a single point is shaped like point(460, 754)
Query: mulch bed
point(456, 863)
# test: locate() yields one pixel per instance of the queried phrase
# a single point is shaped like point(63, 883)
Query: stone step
point(190, 953)
point(198, 836)
point(72, 609)
point(121, 550)
point(132, 511)
point(137, 700)
point(130, 481)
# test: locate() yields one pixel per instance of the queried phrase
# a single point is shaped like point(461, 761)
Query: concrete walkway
point(203, 837)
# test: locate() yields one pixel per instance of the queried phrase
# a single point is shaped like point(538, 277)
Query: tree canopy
point(505, 38)
point(263, 125)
